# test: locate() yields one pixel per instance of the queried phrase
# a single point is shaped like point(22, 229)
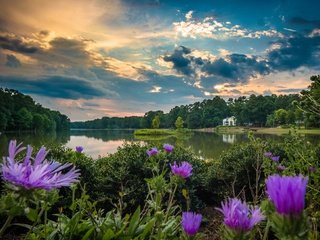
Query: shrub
point(124, 172)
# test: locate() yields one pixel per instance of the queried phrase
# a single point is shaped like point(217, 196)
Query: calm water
point(102, 142)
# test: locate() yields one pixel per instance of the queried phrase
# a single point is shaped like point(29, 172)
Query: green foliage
point(20, 112)
point(160, 217)
point(156, 122)
point(252, 111)
point(299, 157)
point(23, 119)
point(310, 102)
point(129, 195)
point(238, 172)
point(124, 173)
point(179, 123)
point(154, 132)
point(3, 121)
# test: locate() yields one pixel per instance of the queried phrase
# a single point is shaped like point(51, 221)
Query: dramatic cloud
point(54, 86)
point(232, 67)
point(15, 44)
point(295, 52)
point(180, 60)
point(304, 21)
point(122, 57)
point(13, 62)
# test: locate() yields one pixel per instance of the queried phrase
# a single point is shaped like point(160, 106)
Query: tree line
point(255, 110)
point(20, 112)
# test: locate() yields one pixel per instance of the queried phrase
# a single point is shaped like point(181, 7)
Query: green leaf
point(23, 225)
point(148, 228)
point(108, 235)
point(32, 214)
point(170, 225)
point(88, 234)
point(134, 222)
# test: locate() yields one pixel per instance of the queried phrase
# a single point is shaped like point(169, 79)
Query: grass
point(228, 129)
point(286, 130)
point(263, 130)
point(160, 132)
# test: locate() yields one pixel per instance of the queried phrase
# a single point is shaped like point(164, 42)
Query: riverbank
point(236, 130)
point(160, 132)
point(286, 130)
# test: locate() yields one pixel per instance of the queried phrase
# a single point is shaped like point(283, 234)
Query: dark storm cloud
point(304, 21)
point(296, 52)
point(292, 52)
point(16, 45)
point(235, 67)
point(70, 48)
point(290, 90)
point(53, 86)
point(44, 33)
point(12, 61)
point(221, 68)
point(181, 62)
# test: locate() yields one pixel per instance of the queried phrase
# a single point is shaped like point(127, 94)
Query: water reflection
point(34, 139)
point(103, 142)
point(229, 138)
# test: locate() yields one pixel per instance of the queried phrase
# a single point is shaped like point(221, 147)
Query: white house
point(229, 121)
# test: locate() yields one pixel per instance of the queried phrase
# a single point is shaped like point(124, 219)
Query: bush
point(124, 172)
point(237, 172)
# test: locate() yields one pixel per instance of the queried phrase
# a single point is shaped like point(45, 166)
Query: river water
point(103, 142)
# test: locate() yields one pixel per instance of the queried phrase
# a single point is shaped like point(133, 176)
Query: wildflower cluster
point(36, 172)
point(275, 159)
point(286, 198)
point(190, 221)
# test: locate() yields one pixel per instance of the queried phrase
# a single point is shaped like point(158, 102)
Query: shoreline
point(258, 130)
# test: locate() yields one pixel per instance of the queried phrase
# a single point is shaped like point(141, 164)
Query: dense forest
point(259, 111)
point(254, 110)
point(20, 112)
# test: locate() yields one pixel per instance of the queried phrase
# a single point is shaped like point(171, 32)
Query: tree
point(23, 119)
point(280, 116)
point(179, 123)
point(3, 121)
point(156, 122)
point(38, 121)
point(310, 102)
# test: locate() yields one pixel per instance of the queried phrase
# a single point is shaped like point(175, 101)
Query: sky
point(89, 59)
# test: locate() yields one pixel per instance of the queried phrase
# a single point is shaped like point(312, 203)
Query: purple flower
point(152, 151)
point(168, 148)
point(275, 158)
point(281, 168)
point(239, 216)
point(191, 222)
point(184, 170)
point(287, 193)
point(36, 172)
point(268, 154)
point(79, 149)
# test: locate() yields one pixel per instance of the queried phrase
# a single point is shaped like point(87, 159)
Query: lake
point(102, 142)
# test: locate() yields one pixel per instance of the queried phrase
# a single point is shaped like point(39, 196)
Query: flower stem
point(266, 231)
point(6, 225)
point(170, 201)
